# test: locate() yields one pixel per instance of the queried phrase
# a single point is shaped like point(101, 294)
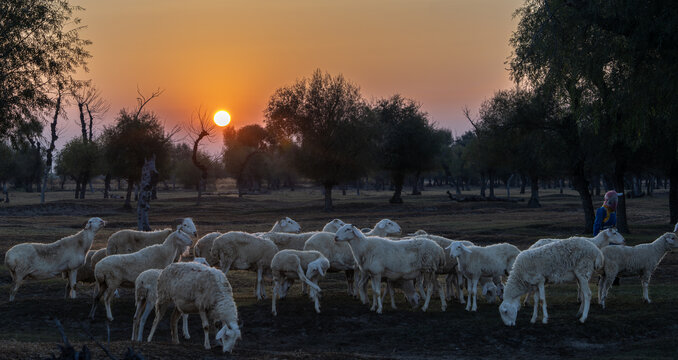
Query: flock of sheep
point(153, 263)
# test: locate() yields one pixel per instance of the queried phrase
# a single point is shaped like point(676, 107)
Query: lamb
point(338, 253)
point(307, 266)
point(244, 251)
point(45, 261)
point(406, 259)
point(122, 269)
point(475, 262)
point(564, 260)
point(383, 228)
point(128, 241)
point(603, 239)
point(203, 248)
point(196, 288)
point(145, 296)
point(333, 226)
point(632, 261)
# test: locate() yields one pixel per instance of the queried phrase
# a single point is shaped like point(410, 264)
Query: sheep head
point(317, 266)
point(188, 227)
point(418, 233)
point(336, 224)
point(389, 227)
point(228, 335)
point(457, 249)
point(509, 312)
point(289, 225)
point(95, 224)
point(348, 232)
point(490, 292)
point(671, 239)
point(613, 236)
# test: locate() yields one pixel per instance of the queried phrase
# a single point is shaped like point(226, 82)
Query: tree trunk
point(50, 150)
point(561, 183)
point(5, 192)
point(458, 184)
point(482, 184)
point(328, 197)
point(82, 122)
point(491, 176)
point(581, 185)
point(415, 185)
point(148, 172)
point(508, 186)
point(534, 192)
point(77, 187)
point(107, 185)
point(523, 180)
point(673, 191)
point(619, 170)
point(128, 197)
point(398, 180)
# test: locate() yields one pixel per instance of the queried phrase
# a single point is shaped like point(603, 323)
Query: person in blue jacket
point(606, 216)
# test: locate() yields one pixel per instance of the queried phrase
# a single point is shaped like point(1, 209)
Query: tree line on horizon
point(593, 105)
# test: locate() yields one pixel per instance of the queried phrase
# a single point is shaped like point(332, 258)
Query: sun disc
point(222, 118)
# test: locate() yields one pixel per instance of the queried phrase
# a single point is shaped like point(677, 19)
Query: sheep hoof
point(545, 321)
point(533, 320)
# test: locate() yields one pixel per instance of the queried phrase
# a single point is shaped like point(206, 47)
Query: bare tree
point(200, 127)
point(50, 149)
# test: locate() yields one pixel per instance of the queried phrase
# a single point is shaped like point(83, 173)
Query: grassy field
point(628, 328)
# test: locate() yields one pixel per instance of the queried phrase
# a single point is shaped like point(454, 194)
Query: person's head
point(611, 200)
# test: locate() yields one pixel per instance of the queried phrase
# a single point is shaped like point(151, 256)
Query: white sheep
point(640, 260)
point(145, 296)
point(475, 262)
point(45, 261)
point(307, 266)
point(288, 240)
point(566, 260)
point(243, 251)
point(198, 289)
point(338, 253)
point(333, 226)
point(118, 270)
point(383, 228)
point(203, 248)
point(285, 225)
point(406, 259)
point(128, 241)
point(603, 239)
point(86, 272)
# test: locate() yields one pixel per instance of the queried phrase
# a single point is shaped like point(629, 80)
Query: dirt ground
point(628, 328)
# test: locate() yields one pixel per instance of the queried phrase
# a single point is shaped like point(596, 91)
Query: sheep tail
point(600, 261)
point(302, 276)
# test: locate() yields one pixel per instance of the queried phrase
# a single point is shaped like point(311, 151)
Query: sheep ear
point(220, 334)
point(675, 228)
point(88, 225)
point(484, 289)
point(464, 248)
point(381, 225)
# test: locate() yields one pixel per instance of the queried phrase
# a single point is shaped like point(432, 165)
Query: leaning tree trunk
point(148, 172)
point(673, 191)
point(580, 184)
point(328, 197)
point(398, 189)
point(534, 192)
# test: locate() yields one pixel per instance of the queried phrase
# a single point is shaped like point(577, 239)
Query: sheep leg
point(349, 281)
point(16, 284)
point(443, 302)
point(142, 321)
point(376, 289)
point(645, 281)
point(276, 293)
point(542, 298)
point(108, 296)
point(429, 290)
point(174, 322)
point(391, 293)
point(535, 310)
point(184, 321)
point(136, 318)
point(356, 283)
point(460, 283)
point(205, 328)
point(362, 288)
point(474, 290)
point(259, 280)
point(101, 288)
point(160, 310)
point(316, 300)
point(586, 293)
point(469, 288)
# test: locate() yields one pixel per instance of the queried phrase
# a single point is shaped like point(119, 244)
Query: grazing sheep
point(118, 270)
point(198, 289)
point(639, 260)
point(333, 226)
point(406, 259)
point(45, 261)
point(243, 251)
point(603, 239)
point(338, 253)
point(203, 248)
point(557, 262)
point(383, 228)
point(453, 278)
point(475, 262)
point(307, 266)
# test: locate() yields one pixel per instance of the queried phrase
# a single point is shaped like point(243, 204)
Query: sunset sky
point(232, 55)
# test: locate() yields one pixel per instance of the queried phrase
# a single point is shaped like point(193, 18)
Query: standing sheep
point(338, 253)
point(639, 260)
point(128, 241)
point(203, 248)
point(383, 228)
point(198, 289)
point(333, 226)
point(118, 270)
point(406, 259)
point(307, 266)
point(603, 239)
point(45, 261)
point(557, 262)
point(475, 262)
point(243, 251)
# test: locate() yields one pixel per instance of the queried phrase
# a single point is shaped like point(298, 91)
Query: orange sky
point(233, 54)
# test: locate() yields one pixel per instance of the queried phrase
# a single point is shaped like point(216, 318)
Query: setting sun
point(222, 118)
